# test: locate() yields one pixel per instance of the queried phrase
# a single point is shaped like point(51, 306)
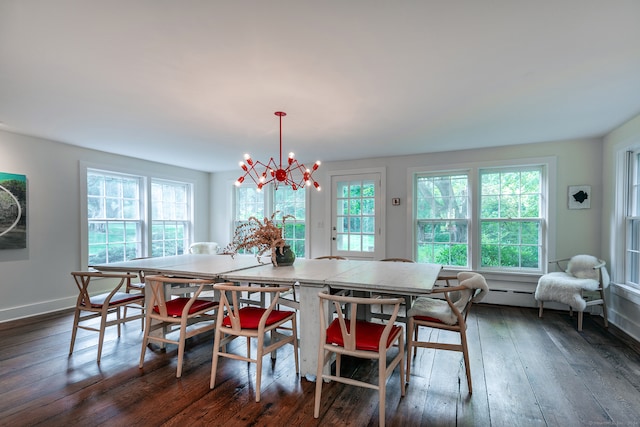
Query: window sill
point(625, 291)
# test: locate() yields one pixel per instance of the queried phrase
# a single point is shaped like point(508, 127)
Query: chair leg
point(103, 326)
point(465, 355)
point(181, 343)
point(410, 340)
point(74, 331)
point(259, 355)
point(214, 359)
point(322, 356)
point(580, 313)
point(382, 388)
point(540, 309)
point(295, 343)
point(145, 341)
point(604, 309)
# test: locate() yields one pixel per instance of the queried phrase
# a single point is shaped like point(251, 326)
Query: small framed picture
point(579, 196)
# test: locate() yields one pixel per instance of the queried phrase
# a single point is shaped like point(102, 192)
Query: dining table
point(307, 277)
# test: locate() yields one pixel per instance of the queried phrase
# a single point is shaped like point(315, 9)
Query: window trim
point(473, 168)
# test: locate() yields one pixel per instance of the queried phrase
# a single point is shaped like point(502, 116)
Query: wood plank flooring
point(526, 371)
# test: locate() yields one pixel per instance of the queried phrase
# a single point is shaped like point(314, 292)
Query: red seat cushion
point(367, 334)
point(118, 298)
point(428, 319)
point(175, 306)
point(250, 317)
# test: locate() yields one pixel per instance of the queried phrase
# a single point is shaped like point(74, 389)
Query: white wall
point(623, 302)
point(36, 279)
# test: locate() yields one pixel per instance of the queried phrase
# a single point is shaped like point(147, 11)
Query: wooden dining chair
point(105, 306)
point(252, 322)
point(345, 335)
point(335, 257)
point(185, 316)
point(447, 314)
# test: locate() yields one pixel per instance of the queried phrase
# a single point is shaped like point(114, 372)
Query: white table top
point(307, 271)
point(191, 265)
point(391, 277)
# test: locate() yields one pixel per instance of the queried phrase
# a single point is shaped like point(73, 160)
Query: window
point(290, 202)
point(632, 221)
point(114, 213)
point(170, 217)
point(286, 201)
point(117, 222)
point(511, 218)
point(482, 218)
point(442, 219)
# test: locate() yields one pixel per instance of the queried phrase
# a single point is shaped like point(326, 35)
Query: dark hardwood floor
point(526, 372)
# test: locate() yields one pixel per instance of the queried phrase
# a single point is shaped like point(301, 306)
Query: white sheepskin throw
point(439, 308)
point(566, 286)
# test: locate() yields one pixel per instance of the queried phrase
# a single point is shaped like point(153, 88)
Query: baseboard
point(36, 309)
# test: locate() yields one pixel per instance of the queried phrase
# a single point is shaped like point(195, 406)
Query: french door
point(356, 219)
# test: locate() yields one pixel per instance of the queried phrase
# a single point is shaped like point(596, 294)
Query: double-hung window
point(115, 216)
point(511, 218)
point(632, 220)
point(124, 223)
point(490, 218)
point(249, 202)
point(170, 217)
point(442, 218)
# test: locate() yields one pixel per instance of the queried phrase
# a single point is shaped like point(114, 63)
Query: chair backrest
point(203, 248)
point(231, 302)
point(83, 278)
point(158, 298)
point(397, 260)
point(341, 304)
point(331, 257)
point(588, 267)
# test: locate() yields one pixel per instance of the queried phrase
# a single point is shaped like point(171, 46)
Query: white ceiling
point(195, 83)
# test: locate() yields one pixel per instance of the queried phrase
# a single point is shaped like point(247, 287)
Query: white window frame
point(145, 196)
point(549, 208)
point(630, 218)
point(186, 222)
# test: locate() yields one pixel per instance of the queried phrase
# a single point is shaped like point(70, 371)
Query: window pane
point(442, 213)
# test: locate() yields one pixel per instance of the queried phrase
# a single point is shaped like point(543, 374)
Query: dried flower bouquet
point(265, 236)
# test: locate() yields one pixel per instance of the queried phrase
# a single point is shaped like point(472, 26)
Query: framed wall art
point(579, 196)
point(13, 211)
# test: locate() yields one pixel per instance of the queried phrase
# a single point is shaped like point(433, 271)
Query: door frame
point(381, 222)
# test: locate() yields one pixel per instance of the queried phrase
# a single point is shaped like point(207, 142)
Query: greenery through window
point(442, 219)
point(490, 218)
point(114, 217)
point(262, 204)
point(119, 218)
point(170, 203)
point(511, 218)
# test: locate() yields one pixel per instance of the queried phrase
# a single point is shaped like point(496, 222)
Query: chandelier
point(291, 173)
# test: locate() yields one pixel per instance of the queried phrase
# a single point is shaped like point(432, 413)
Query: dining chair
point(187, 315)
point(335, 257)
point(344, 335)
point(105, 306)
point(136, 287)
point(447, 314)
point(580, 284)
point(407, 298)
point(235, 321)
point(203, 248)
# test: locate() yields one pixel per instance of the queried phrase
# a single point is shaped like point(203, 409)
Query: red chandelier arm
point(275, 172)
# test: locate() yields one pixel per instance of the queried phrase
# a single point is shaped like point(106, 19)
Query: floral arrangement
point(265, 236)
